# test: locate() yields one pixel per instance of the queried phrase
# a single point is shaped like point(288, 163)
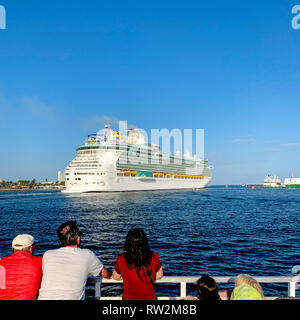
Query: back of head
point(245, 279)
point(68, 233)
point(23, 242)
point(207, 289)
point(136, 249)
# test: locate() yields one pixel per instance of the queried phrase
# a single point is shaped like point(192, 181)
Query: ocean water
point(214, 231)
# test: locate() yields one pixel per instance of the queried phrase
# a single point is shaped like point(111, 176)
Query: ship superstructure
point(272, 181)
point(110, 161)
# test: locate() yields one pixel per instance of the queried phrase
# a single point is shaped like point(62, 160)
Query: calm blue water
point(213, 231)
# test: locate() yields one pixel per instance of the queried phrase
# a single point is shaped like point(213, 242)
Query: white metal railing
point(290, 281)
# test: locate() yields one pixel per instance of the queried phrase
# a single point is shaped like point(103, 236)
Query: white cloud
point(283, 146)
point(96, 122)
point(290, 144)
point(244, 140)
point(36, 107)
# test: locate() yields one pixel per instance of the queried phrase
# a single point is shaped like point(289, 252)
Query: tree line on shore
point(28, 184)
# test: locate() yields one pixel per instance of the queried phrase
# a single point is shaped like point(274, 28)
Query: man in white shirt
point(65, 270)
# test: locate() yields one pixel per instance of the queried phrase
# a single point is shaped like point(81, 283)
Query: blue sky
point(228, 67)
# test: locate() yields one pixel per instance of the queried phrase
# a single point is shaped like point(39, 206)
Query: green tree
point(32, 183)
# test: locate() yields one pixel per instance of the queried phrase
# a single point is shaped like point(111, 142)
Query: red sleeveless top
point(138, 286)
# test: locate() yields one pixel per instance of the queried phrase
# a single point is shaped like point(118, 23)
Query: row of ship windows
point(155, 161)
point(164, 176)
point(80, 158)
point(77, 179)
point(170, 169)
point(88, 157)
point(91, 183)
point(171, 160)
point(83, 165)
point(171, 175)
point(139, 153)
point(88, 173)
point(156, 158)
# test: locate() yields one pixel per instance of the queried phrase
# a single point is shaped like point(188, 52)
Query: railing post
point(98, 288)
point(182, 289)
point(292, 289)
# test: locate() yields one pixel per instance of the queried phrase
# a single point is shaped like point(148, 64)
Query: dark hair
point(137, 252)
point(207, 289)
point(68, 233)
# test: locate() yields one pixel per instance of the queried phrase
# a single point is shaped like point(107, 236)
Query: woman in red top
point(138, 266)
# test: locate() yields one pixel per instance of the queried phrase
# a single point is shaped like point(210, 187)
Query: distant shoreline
point(17, 189)
point(28, 189)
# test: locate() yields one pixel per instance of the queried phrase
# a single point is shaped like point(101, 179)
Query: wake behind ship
point(110, 162)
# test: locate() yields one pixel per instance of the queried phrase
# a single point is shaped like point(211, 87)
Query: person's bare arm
point(105, 273)
point(190, 298)
point(159, 274)
point(224, 295)
point(116, 275)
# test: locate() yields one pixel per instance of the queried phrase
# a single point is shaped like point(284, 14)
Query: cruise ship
point(110, 161)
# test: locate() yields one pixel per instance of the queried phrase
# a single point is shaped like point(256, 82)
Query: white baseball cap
point(23, 241)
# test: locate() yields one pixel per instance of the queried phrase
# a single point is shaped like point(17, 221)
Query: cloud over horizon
point(244, 140)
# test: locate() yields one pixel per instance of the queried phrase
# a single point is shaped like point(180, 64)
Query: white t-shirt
point(65, 272)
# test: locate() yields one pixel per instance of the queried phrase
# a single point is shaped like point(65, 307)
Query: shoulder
point(120, 258)
point(121, 265)
point(155, 261)
point(86, 252)
point(50, 253)
point(4, 259)
point(155, 255)
point(37, 262)
point(37, 258)
point(89, 256)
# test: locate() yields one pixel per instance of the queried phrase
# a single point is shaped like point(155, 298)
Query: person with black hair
point(138, 266)
point(65, 270)
point(207, 290)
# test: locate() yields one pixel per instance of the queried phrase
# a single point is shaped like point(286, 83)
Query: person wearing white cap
point(23, 242)
point(65, 270)
point(22, 270)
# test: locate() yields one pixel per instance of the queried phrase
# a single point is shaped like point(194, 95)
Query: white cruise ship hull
point(139, 184)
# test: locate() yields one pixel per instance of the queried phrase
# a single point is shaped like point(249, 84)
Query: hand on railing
point(190, 298)
point(105, 273)
point(225, 295)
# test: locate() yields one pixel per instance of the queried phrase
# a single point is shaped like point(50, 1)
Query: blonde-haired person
point(247, 288)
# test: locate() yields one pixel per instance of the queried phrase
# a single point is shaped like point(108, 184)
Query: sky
point(228, 67)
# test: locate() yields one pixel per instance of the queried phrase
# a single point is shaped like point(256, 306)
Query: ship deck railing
point(182, 282)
